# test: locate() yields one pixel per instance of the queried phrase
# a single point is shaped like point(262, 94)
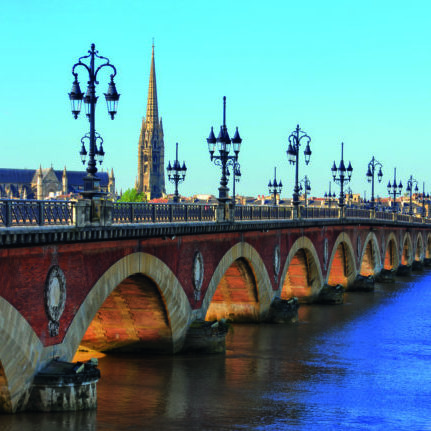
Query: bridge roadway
point(137, 277)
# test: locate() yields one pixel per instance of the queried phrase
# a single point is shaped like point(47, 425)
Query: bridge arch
point(391, 260)
point(342, 266)
point(21, 356)
point(428, 247)
point(407, 250)
point(419, 248)
point(243, 263)
point(177, 306)
point(370, 259)
point(302, 275)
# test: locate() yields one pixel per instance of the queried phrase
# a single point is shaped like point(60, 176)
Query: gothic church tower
point(151, 148)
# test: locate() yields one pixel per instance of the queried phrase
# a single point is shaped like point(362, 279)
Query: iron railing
point(136, 212)
point(35, 213)
point(15, 212)
point(311, 213)
point(262, 212)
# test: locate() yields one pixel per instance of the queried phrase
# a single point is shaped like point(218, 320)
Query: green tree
point(131, 195)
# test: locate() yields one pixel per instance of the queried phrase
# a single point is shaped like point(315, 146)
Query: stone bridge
point(140, 287)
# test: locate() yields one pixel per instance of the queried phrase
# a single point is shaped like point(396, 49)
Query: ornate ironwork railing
point(39, 213)
point(358, 213)
point(262, 212)
point(35, 213)
point(135, 212)
point(311, 212)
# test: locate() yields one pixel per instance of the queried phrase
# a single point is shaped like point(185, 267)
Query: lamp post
point(410, 183)
point(223, 159)
point(236, 169)
point(344, 176)
point(295, 141)
point(349, 196)
point(305, 185)
point(424, 197)
point(176, 173)
point(394, 190)
point(91, 182)
point(275, 187)
point(329, 196)
point(372, 166)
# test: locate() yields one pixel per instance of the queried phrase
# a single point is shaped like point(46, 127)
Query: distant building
point(48, 183)
point(151, 147)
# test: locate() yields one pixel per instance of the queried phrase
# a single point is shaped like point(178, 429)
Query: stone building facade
point(48, 183)
point(151, 147)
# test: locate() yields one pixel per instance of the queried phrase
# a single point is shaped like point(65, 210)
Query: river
point(364, 365)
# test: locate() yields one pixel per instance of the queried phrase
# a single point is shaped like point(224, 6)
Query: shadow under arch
point(178, 308)
point(419, 248)
point(370, 261)
point(407, 250)
point(342, 267)
point(391, 260)
point(302, 275)
point(245, 263)
point(21, 353)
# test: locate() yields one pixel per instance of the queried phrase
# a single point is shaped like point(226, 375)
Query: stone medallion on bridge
point(55, 298)
point(198, 274)
point(276, 262)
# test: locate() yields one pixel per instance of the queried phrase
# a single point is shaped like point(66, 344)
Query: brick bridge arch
point(20, 353)
point(391, 252)
point(419, 248)
point(342, 266)
point(370, 259)
point(406, 251)
point(302, 275)
point(245, 262)
point(178, 308)
point(428, 247)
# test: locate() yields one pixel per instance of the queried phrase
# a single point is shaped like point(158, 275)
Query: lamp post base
point(92, 187)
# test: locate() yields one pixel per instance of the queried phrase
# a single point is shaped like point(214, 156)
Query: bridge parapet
point(99, 212)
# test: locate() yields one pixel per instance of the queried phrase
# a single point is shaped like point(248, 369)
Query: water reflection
point(363, 365)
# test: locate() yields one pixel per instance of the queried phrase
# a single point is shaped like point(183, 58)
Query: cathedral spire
point(152, 109)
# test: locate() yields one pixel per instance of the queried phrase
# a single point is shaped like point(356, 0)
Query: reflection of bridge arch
point(240, 288)
point(302, 275)
point(370, 261)
point(20, 357)
point(342, 267)
point(407, 250)
point(177, 306)
point(391, 253)
point(419, 249)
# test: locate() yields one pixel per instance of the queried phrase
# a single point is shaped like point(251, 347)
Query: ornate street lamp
point(91, 182)
point(305, 185)
point(372, 166)
point(275, 187)
point(236, 178)
point(295, 140)
point(425, 197)
point(349, 196)
point(394, 190)
point(344, 175)
point(330, 197)
point(223, 159)
point(176, 173)
point(410, 183)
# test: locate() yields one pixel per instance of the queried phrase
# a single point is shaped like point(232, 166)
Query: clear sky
point(352, 71)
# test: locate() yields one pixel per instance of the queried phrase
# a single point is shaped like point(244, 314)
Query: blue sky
point(350, 71)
